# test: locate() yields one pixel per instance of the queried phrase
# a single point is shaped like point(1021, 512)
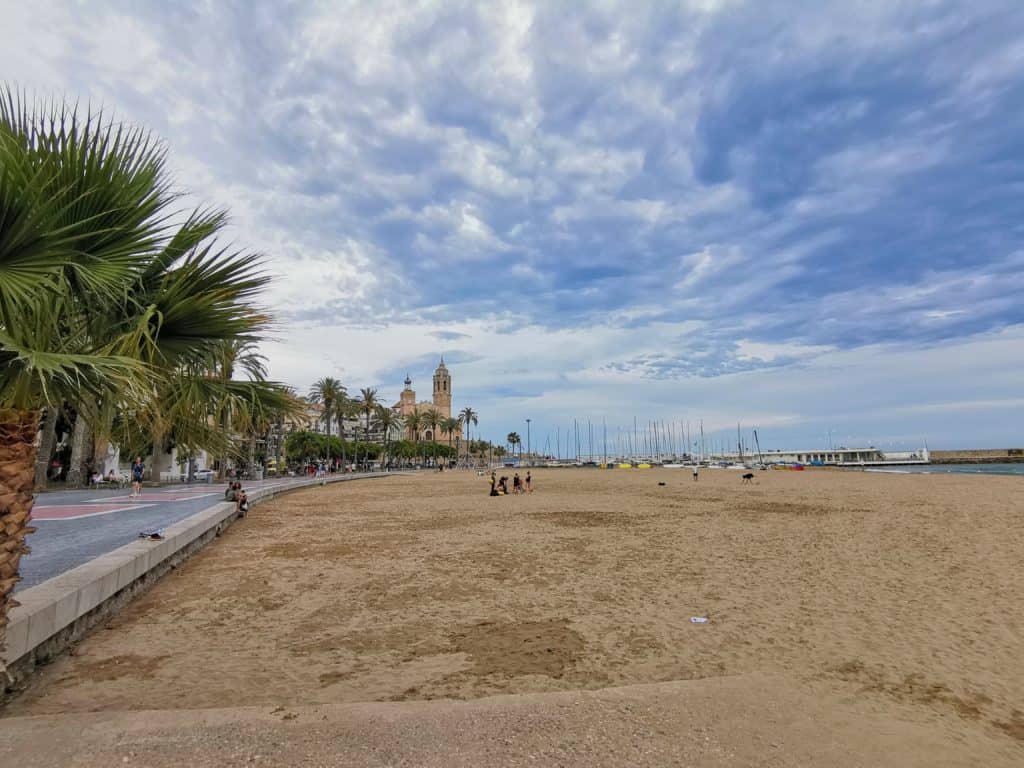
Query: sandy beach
point(884, 608)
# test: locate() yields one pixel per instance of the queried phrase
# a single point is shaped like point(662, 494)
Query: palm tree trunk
point(341, 437)
point(81, 438)
point(17, 473)
point(327, 424)
point(224, 456)
point(46, 447)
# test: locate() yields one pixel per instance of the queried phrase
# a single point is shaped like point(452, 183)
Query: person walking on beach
point(494, 484)
point(695, 468)
point(529, 483)
point(138, 470)
point(517, 484)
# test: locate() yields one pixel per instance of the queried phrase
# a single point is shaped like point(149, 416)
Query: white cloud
point(695, 202)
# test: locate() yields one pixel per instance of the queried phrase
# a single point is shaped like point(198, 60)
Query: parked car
point(199, 476)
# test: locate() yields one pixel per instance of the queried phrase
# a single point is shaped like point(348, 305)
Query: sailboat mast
point(636, 441)
point(604, 429)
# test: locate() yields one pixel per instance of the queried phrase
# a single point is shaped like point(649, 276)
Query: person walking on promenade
point(138, 470)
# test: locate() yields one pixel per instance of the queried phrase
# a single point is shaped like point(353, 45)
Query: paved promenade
point(74, 527)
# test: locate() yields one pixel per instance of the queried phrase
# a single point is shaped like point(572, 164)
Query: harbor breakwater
point(978, 456)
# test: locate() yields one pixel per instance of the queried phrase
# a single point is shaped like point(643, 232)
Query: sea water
point(959, 469)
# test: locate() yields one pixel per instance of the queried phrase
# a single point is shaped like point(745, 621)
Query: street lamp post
point(528, 441)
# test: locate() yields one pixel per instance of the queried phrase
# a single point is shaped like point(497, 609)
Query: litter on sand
point(661, 483)
point(699, 619)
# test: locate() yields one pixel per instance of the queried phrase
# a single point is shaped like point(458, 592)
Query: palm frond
point(30, 375)
point(81, 197)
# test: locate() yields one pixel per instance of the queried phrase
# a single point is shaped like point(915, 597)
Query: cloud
point(449, 335)
point(715, 189)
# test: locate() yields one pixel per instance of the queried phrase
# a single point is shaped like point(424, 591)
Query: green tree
point(79, 202)
point(189, 317)
point(366, 406)
point(342, 408)
point(86, 240)
point(388, 422)
point(451, 425)
point(414, 423)
point(328, 393)
point(513, 440)
point(468, 417)
point(432, 420)
point(304, 445)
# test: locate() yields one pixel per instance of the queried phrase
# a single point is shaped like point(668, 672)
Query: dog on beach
point(748, 478)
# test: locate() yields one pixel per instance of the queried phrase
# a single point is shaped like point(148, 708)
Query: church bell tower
point(443, 390)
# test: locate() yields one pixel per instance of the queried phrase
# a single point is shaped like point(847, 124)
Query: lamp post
point(528, 441)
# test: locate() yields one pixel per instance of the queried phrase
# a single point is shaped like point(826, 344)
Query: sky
point(803, 217)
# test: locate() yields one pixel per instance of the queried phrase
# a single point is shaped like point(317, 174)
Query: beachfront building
point(842, 456)
point(440, 402)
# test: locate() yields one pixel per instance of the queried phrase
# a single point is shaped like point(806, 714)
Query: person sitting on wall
point(241, 502)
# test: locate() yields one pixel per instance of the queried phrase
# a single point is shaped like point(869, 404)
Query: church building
point(441, 402)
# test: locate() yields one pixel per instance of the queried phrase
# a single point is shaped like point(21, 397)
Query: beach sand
point(853, 618)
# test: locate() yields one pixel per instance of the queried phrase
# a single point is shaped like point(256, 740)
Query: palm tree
point(229, 357)
point(432, 420)
point(414, 423)
point(468, 417)
point(342, 408)
point(328, 393)
point(513, 440)
point(451, 425)
point(105, 306)
point(188, 316)
point(79, 203)
point(368, 405)
point(387, 421)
